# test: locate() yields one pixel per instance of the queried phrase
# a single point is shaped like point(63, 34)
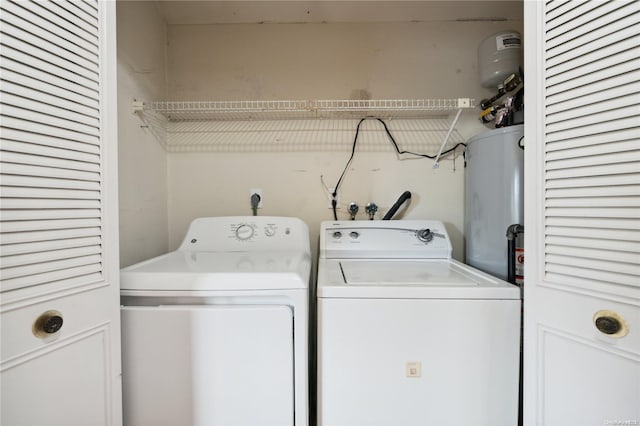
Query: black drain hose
point(404, 197)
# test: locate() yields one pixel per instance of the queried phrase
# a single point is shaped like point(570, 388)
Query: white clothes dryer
point(216, 332)
point(407, 335)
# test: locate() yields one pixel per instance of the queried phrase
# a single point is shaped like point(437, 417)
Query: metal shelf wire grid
point(292, 109)
point(293, 125)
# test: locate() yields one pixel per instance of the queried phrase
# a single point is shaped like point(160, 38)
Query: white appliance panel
point(408, 336)
point(463, 354)
point(208, 365)
point(408, 239)
point(246, 233)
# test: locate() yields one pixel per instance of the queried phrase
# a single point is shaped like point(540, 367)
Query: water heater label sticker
point(519, 266)
point(508, 41)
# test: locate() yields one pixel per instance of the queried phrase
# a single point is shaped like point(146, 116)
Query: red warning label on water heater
point(519, 266)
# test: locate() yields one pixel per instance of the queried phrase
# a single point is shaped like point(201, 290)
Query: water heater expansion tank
point(499, 57)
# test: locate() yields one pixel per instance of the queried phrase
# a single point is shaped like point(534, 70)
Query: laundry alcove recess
point(300, 125)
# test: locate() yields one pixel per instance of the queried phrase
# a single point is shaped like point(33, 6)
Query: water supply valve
point(353, 210)
point(371, 209)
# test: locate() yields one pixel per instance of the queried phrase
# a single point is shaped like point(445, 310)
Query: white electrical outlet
point(259, 192)
point(330, 195)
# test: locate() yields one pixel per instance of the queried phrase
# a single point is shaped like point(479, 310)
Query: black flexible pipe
point(511, 261)
point(404, 197)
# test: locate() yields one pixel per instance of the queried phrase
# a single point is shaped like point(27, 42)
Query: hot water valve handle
point(371, 210)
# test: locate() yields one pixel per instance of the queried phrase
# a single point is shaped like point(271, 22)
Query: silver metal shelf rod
point(446, 139)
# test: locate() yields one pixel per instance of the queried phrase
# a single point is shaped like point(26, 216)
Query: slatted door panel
point(51, 166)
point(582, 199)
point(592, 146)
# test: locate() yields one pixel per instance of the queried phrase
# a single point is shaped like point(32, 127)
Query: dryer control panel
point(402, 239)
point(246, 233)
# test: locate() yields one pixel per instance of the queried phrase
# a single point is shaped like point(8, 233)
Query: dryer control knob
point(244, 232)
point(425, 235)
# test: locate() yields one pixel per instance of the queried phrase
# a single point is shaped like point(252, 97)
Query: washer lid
point(411, 273)
point(184, 270)
point(397, 278)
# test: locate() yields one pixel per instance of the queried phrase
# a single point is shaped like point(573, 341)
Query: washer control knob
point(354, 235)
point(244, 232)
point(425, 235)
point(270, 230)
point(337, 235)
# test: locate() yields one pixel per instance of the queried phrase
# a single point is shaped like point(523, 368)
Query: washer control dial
point(270, 230)
point(425, 235)
point(244, 232)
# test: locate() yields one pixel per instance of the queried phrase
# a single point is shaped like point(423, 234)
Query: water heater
point(494, 196)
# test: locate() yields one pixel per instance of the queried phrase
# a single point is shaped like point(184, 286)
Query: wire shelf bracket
point(436, 161)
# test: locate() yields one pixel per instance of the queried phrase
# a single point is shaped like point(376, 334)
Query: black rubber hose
point(511, 261)
point(404, 197)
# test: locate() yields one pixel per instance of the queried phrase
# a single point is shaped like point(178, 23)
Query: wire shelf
point(205, 129)
point(417, 135)
point(304, 109)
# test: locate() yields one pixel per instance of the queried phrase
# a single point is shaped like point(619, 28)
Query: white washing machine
point(215, 333)
point(409, 336)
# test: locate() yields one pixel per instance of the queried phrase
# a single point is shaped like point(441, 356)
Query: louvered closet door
point(58, 225)
point(582, 160)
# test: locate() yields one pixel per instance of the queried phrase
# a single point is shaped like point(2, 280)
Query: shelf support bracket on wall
point(155, 123)
point(462, 103)
point(137, 107)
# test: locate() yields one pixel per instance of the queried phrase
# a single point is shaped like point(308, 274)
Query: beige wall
point(219, 184)
point(321, 61)
point(161, 193)
point(142, 162)
point(327, 61)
